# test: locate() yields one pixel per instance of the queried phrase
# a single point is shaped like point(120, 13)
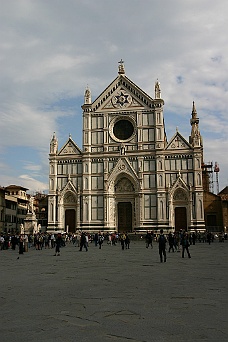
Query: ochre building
point(127, 176)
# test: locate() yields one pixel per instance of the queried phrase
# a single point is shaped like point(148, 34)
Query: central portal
point(70, 220)
point(124, 217)
point(180, 219)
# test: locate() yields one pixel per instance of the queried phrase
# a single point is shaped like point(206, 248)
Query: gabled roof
point(224, 191)
point(224, 194)
point(70, 148)
point(122, 167)
point(15, 187)
point(122, 86)
point(178, 142)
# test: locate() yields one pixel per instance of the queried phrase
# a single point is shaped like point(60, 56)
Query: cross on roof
point(177, 140)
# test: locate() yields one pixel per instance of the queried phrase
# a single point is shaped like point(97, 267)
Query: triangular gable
point(122, 166)
point(179, 182)
point(121, 99)
point(122, 93)
point(178, 143)
point(70, 147)
point(179, 191)
point(69, 187)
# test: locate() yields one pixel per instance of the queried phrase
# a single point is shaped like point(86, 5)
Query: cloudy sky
point(51, 50)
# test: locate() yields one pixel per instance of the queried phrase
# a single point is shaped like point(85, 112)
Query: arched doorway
point(124, 216)
point(70, 220)
point(125, 197)
point(69, 212)
point(180, 219)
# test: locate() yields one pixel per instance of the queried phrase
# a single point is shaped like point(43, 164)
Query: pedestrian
point(185, 245)
point(13, 242)
point(21, 245)
point(194, 238)
point(209, 237)
point(148, 239)
point(162, 246)
point(171, 242)
point(2, 242)
point(100, 240)
point(96, 239)
point(122, 240)
point(83, 242)
point(127, 241)
point(58, 244)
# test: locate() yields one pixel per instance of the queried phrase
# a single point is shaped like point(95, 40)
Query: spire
point(53, 144)
point(194, 118)
point(157, 90)
point(87, 96)
point(121, 67)
point(194, 112)
point(195, 138)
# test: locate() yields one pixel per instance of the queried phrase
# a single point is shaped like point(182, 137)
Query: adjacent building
point(2, 210)
point(16, 208)
point(128, 176)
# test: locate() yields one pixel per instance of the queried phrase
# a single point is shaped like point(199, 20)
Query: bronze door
point(70, 220)
point(180, 218)
point(124, 217)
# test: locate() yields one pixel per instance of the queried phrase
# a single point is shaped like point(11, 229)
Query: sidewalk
point(113, 295)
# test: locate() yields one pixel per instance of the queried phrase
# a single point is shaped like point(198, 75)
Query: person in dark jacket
point(185, 244)
point(162, 246)
point(21, 245)
point(58, 244)
point(127, 241)
point(83, 242)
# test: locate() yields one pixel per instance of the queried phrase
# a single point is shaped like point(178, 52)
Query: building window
point(200, 208)
point(161, 210)
point(149, 165)
point(148, 119)
point(110, 166)
point(97, 122)
point(149, 181)
point(51, 212)
point(97, 183)
point(150, 207)
point(97, 138)
point(97, 167)
point(97, 207)
point(60, 169)
point(148, 134)
point(52, 184)
point(198, 179)
point(160, 183)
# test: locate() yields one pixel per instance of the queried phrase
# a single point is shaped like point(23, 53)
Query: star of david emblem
point(121, 99)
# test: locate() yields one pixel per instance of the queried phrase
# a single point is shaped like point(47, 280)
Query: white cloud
point(50, 50)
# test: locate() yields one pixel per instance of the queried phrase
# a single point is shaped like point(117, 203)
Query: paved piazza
point(113, 295)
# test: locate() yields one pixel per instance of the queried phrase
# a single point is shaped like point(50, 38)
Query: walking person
point(122, 240)
point(148, 239)
point(58, 244)
point(162, 246)
point(127, 241)
point(100, 240)
point(171, 242)
point(185, 244)
point(21, 245)
point(83, 242)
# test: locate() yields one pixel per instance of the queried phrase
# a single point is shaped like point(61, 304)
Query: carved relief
point(124, 185)
point(180, 195)
point(122, 99)
point(111, 208)
point(69, 198)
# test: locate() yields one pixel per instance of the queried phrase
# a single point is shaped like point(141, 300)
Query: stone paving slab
point(113, 295)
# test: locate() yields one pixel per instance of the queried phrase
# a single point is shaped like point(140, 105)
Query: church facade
point(127, 176)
